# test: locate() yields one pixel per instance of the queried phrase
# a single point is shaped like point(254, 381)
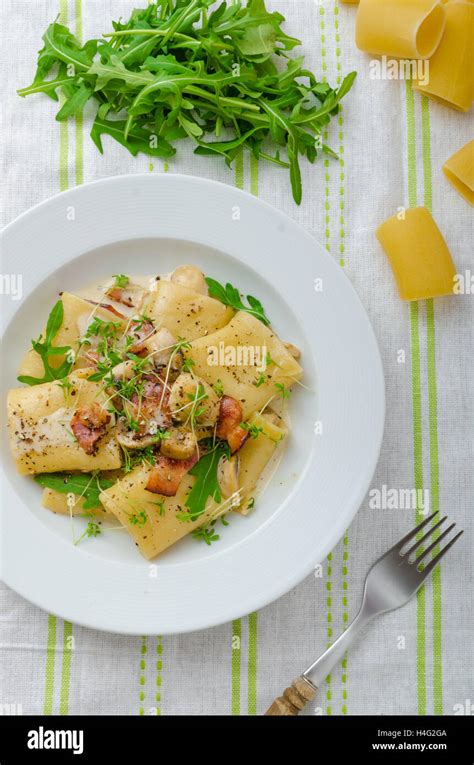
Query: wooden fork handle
point(294, 698)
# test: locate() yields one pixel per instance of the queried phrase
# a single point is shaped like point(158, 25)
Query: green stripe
point(52, 621)
point(418, 467)
point(411, 143)
point(329, 632)
point(340, 121)
point(416, 388)
point(237, 624)
point(417, 411)
point(50, 658)
point(433, 426)
point(141, 674)
point(426, 151)
point(159, 667)
point(66, 669)
point(345, 619)
point(252, 665)
point(79, 133)
point(63, 153)
point(63, 126)
point(342, 235)
point(327, 236)
point(78, 16)
point(253, 617)
point(239, 169)
point(327, 205)
point(236, 662)
point(79, 150)
point(64, 184)
point(434, 486)
point(253, 174)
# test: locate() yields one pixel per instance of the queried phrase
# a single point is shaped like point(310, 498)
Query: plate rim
point(344, 519)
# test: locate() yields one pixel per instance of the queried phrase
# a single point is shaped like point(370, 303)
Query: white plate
point(154, 223)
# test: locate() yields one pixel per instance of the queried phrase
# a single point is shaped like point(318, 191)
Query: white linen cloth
point(412, 660)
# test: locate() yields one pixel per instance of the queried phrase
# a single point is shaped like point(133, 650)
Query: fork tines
point(419, 543)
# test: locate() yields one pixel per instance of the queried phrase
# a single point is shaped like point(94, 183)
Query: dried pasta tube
point(400, 28)
point(459, 170)
point(451, 70)
point(420, 259)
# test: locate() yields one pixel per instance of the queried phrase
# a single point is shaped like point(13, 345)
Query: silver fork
point(391, 582)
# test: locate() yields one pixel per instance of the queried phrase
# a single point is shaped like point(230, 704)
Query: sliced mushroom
point(160, 346)
point(191, 278)
point(131, 440)
point(123, 371)
point(184, 392)
point(180, 444)
point(228, 476)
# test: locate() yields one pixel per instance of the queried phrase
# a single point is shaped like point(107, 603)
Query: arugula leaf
point(206, 484)
point(40, 85)
point(115, 69)
point(183, 69)
point(45, 349)
point(86, 485)
point(230, 295)
point(76, 101)
point(138, 139)
point(60, 44)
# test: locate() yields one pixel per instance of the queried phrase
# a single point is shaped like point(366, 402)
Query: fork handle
point(294, 699)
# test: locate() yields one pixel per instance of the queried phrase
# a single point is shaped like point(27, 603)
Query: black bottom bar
point(318, 739)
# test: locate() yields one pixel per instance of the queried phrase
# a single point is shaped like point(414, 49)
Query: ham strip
point(108, 307)
point(168, 473)
point(229, 422)
point(121, 295)
point(89, 425)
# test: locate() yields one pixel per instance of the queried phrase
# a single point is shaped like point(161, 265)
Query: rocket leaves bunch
point(194, 69)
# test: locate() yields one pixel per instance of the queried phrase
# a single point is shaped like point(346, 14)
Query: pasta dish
point(157, 403)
